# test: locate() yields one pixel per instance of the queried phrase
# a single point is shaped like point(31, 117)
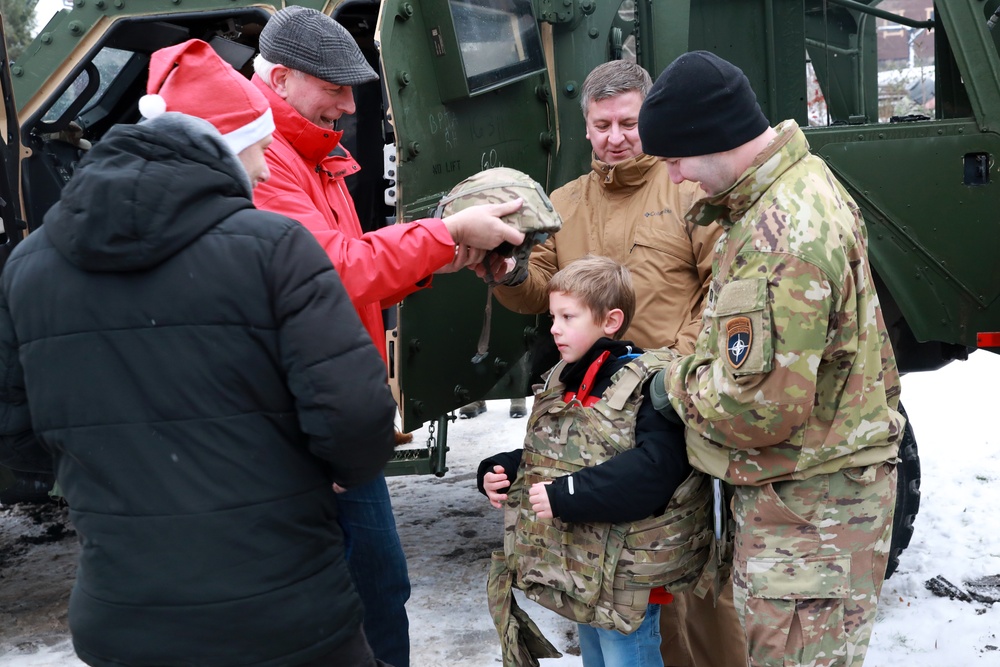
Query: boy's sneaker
point(472, 410)
point(518, 408)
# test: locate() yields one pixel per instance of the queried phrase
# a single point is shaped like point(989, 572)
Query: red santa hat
point(192, 79)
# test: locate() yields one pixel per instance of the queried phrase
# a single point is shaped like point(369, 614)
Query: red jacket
point(307, 184)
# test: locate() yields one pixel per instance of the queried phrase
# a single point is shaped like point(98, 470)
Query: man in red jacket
point(307, 66)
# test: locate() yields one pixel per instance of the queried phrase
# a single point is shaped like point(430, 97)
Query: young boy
point(594, 420)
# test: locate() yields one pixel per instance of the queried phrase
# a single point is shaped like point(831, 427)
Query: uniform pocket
point(660, 240)
point(797, 607)
point(562, 556)
point(742, 322)
point(795, 592)
point(822, 577)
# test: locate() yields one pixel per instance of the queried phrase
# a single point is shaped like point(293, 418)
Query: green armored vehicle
point(472, 84)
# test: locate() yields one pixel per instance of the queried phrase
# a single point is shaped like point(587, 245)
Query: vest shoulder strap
point(633, 375)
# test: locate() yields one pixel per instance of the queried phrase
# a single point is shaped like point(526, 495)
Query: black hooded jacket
point(200, 378)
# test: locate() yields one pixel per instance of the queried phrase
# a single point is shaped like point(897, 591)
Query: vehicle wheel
point(907, 496)
point(28, 487)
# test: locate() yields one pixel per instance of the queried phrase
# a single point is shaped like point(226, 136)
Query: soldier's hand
point(481, 227)
point(493, 482)
point(538, 496)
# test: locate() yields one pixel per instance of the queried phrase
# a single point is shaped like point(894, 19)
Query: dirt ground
point(33, 608)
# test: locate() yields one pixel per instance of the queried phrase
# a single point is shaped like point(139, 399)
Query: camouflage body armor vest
point(600, 573)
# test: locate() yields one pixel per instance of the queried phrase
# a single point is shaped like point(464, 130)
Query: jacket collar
point(728, 207)
point(310, 141)
point(624, 175)
point(572, 375)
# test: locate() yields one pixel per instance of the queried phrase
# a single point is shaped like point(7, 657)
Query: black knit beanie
point(701, 104)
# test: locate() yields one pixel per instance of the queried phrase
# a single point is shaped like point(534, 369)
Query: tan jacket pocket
point(663, 241)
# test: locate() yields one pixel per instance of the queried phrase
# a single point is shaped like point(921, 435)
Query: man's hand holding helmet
point(533, 218)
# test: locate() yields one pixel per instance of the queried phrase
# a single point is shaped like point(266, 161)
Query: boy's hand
point(538, 496)
point(492, 482)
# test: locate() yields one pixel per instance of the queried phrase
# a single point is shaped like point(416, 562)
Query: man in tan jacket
point(626, 208)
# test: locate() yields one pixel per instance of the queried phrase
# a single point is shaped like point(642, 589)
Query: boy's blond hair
point(602, 284)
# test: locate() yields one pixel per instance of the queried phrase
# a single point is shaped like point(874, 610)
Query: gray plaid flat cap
point(312, 42)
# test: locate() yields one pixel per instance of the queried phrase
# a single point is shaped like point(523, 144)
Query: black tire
point(907, 496)
point(28, 487)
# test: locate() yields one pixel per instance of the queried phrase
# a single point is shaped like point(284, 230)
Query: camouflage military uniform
point(791, 396)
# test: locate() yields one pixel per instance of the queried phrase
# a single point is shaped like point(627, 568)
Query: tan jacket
point(632, 213)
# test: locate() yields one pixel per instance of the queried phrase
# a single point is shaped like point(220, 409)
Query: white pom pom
point(151, 106)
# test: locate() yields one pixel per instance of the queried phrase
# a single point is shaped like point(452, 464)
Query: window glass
point(109, 62)
point(499, 40)
point(905, 70)
point(905, 62)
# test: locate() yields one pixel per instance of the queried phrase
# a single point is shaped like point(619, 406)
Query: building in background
point(901, 46)
point(905, 66)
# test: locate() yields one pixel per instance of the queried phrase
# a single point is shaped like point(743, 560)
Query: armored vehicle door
point(915, 142)
point(475, 84)
point(10, 210)
point(10, 205)
point(467, 90)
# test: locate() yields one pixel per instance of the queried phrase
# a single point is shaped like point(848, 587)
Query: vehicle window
point(499, 40)
point(109, 63)
point(906, 67)
point(842, 84)
point(623, 32)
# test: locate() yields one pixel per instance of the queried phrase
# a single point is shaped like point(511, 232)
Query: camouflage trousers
point(808, 565)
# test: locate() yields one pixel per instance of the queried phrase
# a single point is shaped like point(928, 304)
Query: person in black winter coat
point(200, 379)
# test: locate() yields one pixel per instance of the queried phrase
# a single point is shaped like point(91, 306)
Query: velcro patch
point(739, 337)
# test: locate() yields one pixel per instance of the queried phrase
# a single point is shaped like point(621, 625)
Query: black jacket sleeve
point(634, 484)
point(334, 371)
point(19, 448)
point(509, 461)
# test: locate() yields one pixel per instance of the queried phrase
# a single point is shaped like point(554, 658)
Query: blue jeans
point(378, 568)
point(610, 648)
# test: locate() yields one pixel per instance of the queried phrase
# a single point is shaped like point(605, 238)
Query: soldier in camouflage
point(792, 392)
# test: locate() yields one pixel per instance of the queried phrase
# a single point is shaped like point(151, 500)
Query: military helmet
point(537, 218)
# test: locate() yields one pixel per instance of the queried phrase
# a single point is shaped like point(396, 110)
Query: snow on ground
point(448, 530)
point(955, 536)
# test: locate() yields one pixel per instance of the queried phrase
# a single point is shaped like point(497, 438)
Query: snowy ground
point(954, 538)
point(449, 530)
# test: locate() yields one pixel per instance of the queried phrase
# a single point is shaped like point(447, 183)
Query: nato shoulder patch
point(739, 337)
